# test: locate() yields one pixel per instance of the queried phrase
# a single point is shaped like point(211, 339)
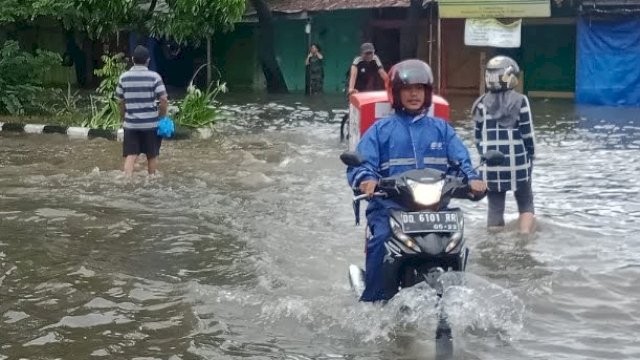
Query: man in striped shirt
point(138, 90)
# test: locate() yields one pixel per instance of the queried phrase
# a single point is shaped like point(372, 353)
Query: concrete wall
point(339, 34)
point(547, 58)
point(235, 55)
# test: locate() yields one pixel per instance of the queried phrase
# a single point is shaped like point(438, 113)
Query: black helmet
point(501, 74)
point(409, 72)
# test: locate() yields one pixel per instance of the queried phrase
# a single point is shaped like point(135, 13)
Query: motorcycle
point(427, 235)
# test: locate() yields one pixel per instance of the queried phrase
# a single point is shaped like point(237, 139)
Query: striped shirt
point(515, 142)
point(140, 88)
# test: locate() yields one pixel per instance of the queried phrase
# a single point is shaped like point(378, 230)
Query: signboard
point(491, 32)
point(483, 9)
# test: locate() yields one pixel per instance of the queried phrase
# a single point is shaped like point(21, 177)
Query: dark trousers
point(378, 222)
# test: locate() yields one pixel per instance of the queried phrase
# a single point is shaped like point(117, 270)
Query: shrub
point(106, 116)
point(198, 108)
point(105, 113)
point(67, 103)
point(21, 78)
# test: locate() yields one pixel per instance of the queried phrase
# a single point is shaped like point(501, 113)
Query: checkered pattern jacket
point(517, 143)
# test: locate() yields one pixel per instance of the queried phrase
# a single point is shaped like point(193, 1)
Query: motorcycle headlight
point(426, 194)
point(406, 239)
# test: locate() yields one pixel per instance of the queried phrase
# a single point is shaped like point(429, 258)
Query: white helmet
point(501, 74)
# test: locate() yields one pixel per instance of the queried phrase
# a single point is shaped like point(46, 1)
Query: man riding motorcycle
point(408, 139)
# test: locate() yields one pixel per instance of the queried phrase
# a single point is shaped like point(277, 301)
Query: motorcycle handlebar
point(366, 196)
point(464, 192)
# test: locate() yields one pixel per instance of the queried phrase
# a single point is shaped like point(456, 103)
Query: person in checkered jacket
point(503, 122)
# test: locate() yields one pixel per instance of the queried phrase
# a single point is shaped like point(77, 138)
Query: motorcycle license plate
point(421, 222)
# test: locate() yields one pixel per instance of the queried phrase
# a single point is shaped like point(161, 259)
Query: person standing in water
point(365, 71)
point(315, 70)
point(138, 90)
point(365, 74)
point(503, 122)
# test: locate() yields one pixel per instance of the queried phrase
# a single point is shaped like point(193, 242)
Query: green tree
point(195, 20)
point(21, 75)
point(95, 17)
point(270, 66)
point(183, 20)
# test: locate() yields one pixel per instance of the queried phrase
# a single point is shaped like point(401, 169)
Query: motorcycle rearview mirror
point(351, 158)
point(493, 158)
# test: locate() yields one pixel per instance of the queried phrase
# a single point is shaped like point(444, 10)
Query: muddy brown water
point(240, 248)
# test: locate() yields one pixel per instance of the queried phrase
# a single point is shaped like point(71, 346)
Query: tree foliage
point(96, 17)
point(193, 20)
point(21, 78)
point(105, 113)
point(183, 20)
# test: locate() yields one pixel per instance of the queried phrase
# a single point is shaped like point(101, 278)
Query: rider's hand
point(352, 91)
point(368, 187)
point(478, 187)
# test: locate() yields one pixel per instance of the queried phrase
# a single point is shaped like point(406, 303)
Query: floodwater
point(240, 248)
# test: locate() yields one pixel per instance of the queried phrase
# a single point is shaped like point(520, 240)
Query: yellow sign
point(468, 9)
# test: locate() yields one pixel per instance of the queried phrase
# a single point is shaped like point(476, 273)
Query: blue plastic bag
point(166, 128)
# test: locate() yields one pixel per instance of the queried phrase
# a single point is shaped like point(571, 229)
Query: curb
point(87, 133)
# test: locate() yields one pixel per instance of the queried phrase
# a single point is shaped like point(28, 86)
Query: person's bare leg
point(526, 223)
point(152, 165)
point(129, 163)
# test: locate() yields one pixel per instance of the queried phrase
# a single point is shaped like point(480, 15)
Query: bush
point(197, 109)
point(105, 113)
point(21, 78)
point(110, 72)
point(66, 103)
point(105, 117)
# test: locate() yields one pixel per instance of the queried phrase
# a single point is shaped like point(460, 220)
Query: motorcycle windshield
point(426, 194)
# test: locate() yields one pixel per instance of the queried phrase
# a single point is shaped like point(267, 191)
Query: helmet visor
point(411, 72)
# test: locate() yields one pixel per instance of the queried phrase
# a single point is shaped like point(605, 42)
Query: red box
point(367, 107)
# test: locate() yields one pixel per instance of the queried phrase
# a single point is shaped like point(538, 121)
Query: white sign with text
point(491, 32)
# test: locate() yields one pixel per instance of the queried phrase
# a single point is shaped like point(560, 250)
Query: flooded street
point(240, 248)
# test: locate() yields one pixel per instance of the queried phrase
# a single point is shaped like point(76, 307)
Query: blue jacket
point(400, 142)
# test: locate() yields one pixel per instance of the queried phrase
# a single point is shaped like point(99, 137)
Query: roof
point(296, 6)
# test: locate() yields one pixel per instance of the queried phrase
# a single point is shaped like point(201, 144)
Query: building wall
point(427, 46)
point(461, 64)
point(549, 57)
point(235, 55)
point(291, 49)
point(339, 34)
